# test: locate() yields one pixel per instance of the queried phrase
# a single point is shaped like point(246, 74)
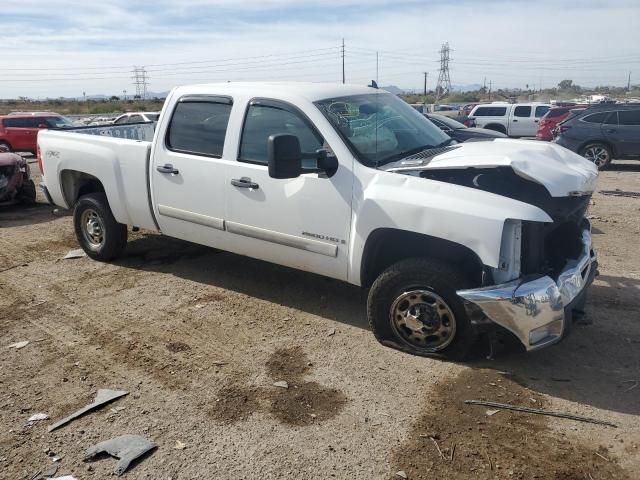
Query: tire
point(98, 233)
point(598, 153)
point(28, 193)
point(7, 146)
point(496, 128)
point(433, 283)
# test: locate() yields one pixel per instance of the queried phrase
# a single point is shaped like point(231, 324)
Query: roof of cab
point(307, 90)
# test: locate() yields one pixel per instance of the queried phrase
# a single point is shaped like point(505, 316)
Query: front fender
point(469, 217)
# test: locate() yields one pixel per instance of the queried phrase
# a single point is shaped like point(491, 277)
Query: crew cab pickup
point(514, 120)
point(349, 182)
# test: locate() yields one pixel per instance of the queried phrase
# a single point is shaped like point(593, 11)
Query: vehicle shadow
point(595, 365)
point(599, 363)
point(624, 166)
point(304, 291)
point(19, 215)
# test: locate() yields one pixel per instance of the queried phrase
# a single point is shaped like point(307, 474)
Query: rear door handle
point(244, 182)
point(167, 168)
point(515, 120)
point(612, 130)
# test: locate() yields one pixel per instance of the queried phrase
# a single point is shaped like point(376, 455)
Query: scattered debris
point(437, 447)
point(281, 384)
point(50, 472)
point(179, 445)
point(13, 266)
point(66, 477)
point(491, 413)
point(125, 448)
point(218, 364)
point(401, 474)
point(103, 397)
point(539, 411)
point(38, 417)
point(620, 193)
point(19, 345)
point(77, 253)
point(331, 332)
point(602, 456)
point(593, 217)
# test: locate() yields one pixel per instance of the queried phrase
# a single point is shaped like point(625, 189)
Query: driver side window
point(263, 121)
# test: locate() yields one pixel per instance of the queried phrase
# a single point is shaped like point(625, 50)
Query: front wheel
point(97, 231)
point(599, 154)
point(28, 193)
point(413, 306)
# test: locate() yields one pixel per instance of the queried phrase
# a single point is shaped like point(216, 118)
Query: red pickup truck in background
point(19, 131)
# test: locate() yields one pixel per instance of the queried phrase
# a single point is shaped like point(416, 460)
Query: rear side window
point(199, 126)
point(15, 122)
point(556, 112)
point(612, 119)
point(541, 111)
point(263, 121)
point(629, 117)
point(522, 111)
point(490, 112)
point(135, 119)
point(121, 120)
point(596, 117)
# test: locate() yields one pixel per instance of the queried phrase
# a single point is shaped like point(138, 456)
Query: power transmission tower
point(140, 80)
point(444, 81)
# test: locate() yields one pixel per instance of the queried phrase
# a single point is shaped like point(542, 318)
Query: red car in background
point(552, 118)
point(19, 131)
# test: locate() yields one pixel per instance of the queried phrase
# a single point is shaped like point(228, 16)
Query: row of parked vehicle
point(599, 132)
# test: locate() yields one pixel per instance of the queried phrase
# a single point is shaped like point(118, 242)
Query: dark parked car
point(15, 179)
point(602, 133)
point(460, 132)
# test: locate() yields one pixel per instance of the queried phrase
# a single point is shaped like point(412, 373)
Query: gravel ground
point(199, 337)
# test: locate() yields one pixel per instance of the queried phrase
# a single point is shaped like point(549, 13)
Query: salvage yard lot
point(198, 337)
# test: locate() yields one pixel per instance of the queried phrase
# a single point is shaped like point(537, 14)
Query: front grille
point(7, 171)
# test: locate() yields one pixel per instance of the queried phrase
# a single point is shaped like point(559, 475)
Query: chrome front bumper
point(537, 311)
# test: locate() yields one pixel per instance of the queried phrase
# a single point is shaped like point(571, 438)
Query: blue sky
point(65, 47)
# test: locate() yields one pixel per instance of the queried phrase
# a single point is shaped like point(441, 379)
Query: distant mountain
point(466, 88)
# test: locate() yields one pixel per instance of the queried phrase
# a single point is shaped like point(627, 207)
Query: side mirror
point(285, 157)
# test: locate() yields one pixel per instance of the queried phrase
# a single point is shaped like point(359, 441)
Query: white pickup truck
point(350, 182)
point(514, 120)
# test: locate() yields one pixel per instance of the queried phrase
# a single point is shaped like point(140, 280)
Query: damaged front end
point(15, 181)
point(544, 267)
point(538, 308)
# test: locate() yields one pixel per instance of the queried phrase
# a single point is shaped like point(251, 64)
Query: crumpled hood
point(559, 170)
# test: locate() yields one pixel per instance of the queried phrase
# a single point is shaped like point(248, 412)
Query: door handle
point(167, 168)
point(536, 120)
point(244, 182)
point(514, 120)
point(611, 130)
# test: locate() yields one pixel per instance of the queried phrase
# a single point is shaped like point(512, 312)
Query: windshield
point(380, 128)
point(449, 122)
point(58, 122)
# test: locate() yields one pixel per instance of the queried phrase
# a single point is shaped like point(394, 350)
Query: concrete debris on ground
point(331, 332)
point(38, 417)
point(281, 384)
point(126, 448)
point(490, 413)
point(401, 474)
point(19, 345)
point(77, 253)
point(103, 397)
point(179, 445)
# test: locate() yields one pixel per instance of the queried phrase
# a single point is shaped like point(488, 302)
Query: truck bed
point(117, 155)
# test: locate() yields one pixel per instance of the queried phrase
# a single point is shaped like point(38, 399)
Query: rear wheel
point(598, 153)
point(496, 128)
point(413, 306)
point(4, 146)
point(97, 231)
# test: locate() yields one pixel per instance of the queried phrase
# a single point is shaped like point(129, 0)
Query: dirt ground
point(199, 337)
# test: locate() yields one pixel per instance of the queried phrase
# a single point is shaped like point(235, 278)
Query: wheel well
point(496, 127)
point(604, 142)
point(387, 246)
point(75, 184)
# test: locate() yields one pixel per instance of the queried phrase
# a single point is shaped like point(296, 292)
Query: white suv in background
point(516, 120)
point(137, 117)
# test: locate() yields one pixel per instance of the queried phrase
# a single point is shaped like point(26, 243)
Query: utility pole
point(343, 79)
point(426, 74)
point(490, 85)
point(444, 80)
point(629, 83)
point(124, 95)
